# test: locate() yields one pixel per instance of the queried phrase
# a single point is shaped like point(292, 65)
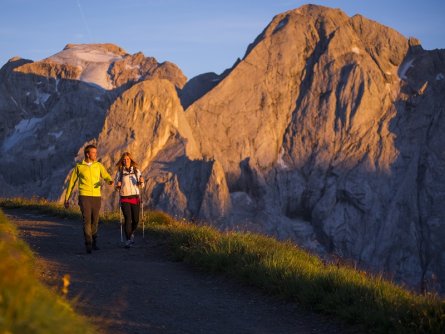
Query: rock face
point(149, 121)
point(326, 123)
point(328, 132)
point(51, 108)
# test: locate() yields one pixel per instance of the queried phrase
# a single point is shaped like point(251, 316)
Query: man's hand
point(66, 204)
point(110, 183)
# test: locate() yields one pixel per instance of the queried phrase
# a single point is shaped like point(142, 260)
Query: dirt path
point(141, 290)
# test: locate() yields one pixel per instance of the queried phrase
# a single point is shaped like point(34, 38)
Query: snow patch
point(41, 98)
point(82, 54)
point(404, 68)
point(92, 63)
point(241, 197)
point(132, 67)
point(24, 129)
point(56, 134)
point(440, 76)
point(281, 24)
point(13, 100)
point(27, 93)
point(355, 50)
point(96, 74)
point(281, 163)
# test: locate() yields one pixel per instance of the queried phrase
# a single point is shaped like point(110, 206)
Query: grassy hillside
point(26, 305)
point(284, 269)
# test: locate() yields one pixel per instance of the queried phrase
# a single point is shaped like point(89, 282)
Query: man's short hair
point(88, 148)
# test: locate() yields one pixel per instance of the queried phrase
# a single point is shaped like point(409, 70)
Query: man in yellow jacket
point(89, 172)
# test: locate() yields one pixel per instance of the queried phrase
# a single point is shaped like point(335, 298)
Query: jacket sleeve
point(73, 180)
point(104, 174)
point(117, 177)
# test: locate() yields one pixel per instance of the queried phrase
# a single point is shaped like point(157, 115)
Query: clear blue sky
point(197, 35)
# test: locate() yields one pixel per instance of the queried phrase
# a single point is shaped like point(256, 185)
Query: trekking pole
point(143, 221)
point(142, 206)
point(120, 220)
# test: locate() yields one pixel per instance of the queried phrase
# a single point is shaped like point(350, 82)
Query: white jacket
point(129, 181)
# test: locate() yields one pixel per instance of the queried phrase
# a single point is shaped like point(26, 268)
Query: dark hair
point(87, 149)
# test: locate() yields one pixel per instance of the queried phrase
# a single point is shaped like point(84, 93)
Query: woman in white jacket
point(128, 180)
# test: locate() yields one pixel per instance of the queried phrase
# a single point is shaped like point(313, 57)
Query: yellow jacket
point(89, 179)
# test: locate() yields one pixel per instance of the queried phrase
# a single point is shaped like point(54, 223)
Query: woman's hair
point(120, 163)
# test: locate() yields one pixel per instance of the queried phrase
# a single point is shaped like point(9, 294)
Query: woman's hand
point(141, 181)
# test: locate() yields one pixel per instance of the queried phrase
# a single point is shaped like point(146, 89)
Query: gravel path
point(141, 290)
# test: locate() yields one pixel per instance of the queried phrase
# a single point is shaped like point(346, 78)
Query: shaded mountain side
point(197, 87)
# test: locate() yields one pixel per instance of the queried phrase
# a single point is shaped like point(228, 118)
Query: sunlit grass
point(284, 269)
point(26, 305)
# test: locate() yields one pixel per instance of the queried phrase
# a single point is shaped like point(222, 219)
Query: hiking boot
point(88, 248)
point(128, 243)
point(132, 239)
point(95, 244)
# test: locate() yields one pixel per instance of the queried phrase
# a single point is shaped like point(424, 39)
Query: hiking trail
point(143, 290)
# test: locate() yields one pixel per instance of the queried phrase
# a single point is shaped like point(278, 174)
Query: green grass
point(283, 269)
point(26, 305)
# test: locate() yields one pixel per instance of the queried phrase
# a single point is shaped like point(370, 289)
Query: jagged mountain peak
point(105, 66)
point(104, 47)
point(82, 54)
point(319, 23)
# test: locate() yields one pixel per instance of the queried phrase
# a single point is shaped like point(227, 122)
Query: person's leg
point(86, 209)
point(96, 203)
point(126, 210)
point(134, 217)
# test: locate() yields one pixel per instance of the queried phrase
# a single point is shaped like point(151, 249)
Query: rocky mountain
point(51, 108)
point(328, 132)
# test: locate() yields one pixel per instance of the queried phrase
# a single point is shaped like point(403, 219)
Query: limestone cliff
point(49, 109)
point(333, 124)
